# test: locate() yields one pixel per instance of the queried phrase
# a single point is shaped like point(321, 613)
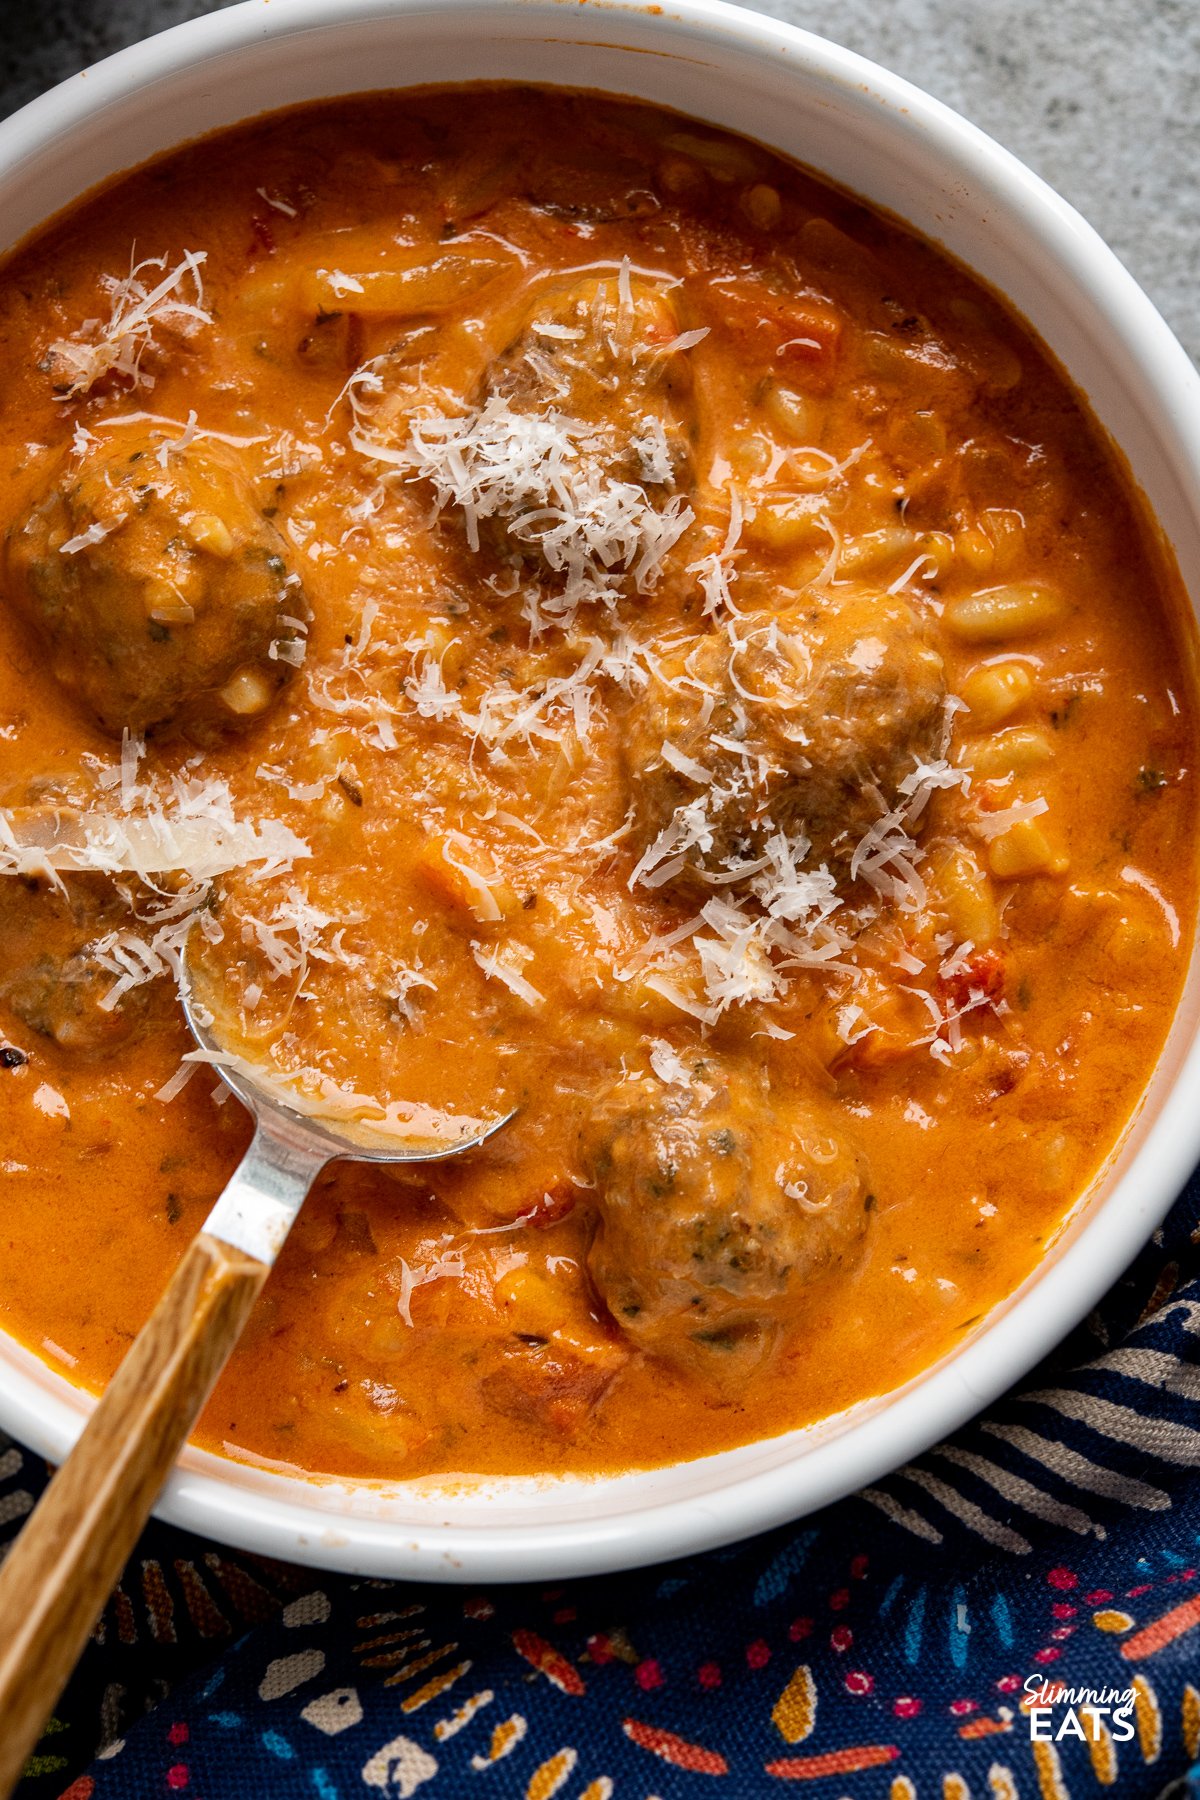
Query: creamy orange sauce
point(749, 1183)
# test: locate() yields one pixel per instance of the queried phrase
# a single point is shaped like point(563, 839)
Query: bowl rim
point(45, 1411)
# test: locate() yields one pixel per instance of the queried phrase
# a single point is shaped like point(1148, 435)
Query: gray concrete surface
point(1102, 97)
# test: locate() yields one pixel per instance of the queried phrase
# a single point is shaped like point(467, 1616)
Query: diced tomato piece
point(982, 973)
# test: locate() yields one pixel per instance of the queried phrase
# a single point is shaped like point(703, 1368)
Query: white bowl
point(892, 144)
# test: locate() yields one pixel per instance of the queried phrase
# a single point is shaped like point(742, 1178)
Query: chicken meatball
point(157, 586)
point(806, 720)
point(593, 352)
point(575, 459)
point(52, 980)
point(716, 1205)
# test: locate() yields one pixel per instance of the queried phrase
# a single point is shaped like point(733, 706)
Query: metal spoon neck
point(268, 1188)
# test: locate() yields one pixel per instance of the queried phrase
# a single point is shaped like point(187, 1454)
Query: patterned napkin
point(1015, 1616)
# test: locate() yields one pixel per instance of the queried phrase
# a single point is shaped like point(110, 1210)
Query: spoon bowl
point(365, 1132)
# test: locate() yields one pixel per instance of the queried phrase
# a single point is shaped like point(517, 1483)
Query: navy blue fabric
point(878, 1650)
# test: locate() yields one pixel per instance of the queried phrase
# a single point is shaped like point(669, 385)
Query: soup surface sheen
point(574, 614)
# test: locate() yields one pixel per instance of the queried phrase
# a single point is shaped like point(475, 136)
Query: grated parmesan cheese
point(95, 534)
point(280, 205)
point(406, 980)
point(184, 830)
point(992, 824)
point(789, 914)
point(194, 832)
point(443, 1266)
point(177, 1082)
point(667, 1063)
point(547, 478)
point(118, 344)
point(504, 963)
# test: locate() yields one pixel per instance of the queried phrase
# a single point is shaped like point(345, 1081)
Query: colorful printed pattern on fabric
point(883, 1650)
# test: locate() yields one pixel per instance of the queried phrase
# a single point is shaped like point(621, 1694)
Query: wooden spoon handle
point(68, 1558)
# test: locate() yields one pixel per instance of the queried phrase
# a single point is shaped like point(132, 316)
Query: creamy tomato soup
point(566, 612)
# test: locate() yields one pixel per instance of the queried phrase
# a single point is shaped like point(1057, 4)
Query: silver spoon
point(69, 1556)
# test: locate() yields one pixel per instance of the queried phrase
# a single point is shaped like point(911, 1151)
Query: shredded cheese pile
point(774, 910)
point(116, 345)
point(555, 484)
point(174, 838)
point(547, 478)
